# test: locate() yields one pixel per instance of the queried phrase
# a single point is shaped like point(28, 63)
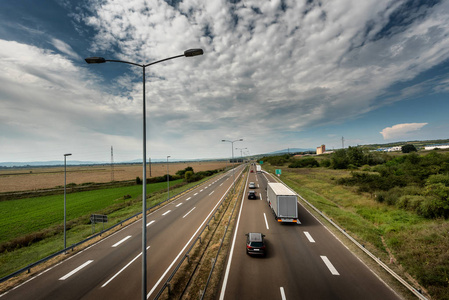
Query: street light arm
point(187, 53)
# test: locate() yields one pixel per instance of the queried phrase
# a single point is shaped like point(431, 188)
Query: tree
point(408, 148)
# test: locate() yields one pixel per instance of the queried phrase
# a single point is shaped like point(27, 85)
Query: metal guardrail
point(72, 247)
point(377, 260)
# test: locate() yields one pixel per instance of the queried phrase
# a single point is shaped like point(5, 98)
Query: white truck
point(258, 168)
point(283, 202)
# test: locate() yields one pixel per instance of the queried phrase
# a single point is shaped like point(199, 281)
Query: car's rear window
point(256, 244)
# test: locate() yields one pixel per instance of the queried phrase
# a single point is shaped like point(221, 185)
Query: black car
point(252, 195)
point(255, 244)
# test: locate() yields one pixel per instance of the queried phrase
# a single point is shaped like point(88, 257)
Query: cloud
point(47, 106)
point(299, 62)
point(270, 69)
point(64, 48)
point(401, 130)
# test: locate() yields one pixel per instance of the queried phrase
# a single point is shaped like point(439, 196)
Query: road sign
point(98, 218)
point(260, 162)
point(278, 172)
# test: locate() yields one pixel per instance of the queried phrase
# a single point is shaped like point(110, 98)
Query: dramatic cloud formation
point(401, 130)
point(277, 73)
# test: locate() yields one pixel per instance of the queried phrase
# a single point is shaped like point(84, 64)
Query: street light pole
point(232, 147)
point(168, 180)
point(241, 152)
point(99, 60)
point(65, 182)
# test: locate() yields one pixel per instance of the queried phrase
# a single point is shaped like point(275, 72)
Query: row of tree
point(188, 174)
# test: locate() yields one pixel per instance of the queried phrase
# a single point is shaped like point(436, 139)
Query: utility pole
point(112, 164)
point(342, 142)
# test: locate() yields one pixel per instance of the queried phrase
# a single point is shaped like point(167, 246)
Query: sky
point(278, 74)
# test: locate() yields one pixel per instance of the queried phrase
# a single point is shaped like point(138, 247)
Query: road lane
point(120, 267)
point(295, 265)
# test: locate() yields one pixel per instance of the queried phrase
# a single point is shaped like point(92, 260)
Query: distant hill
point(291, 150)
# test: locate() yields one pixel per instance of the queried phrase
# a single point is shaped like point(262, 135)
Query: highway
point(304, 261)
point(112, 268)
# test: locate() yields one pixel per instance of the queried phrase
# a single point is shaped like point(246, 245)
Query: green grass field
point(25, 216)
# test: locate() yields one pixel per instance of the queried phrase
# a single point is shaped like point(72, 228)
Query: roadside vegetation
point(397, 205)
point(32, 228)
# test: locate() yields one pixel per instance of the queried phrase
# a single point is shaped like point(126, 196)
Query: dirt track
point(49, 177)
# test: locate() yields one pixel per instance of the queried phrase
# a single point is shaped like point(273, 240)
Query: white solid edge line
point(329, 265)
point(188, 212)
point(182, 250)
point(309, 237)
point(118, 243)
point(283, 293)
point(76, 270)
point(266, 222)
point(121, 270)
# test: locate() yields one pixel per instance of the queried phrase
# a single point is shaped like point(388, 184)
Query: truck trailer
point(258, 168)
point(283, 202)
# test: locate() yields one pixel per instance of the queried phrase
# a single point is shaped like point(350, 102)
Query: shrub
point(326, 163)
point(308, 162)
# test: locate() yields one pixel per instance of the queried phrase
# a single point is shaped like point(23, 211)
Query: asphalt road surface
point(112, 268)
point(303, 261)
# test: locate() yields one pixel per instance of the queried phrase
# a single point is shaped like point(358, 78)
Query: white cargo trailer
point(283, 202)
point(258, 168)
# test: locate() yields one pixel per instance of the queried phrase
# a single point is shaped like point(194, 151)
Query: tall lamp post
point(168, 180)
point(65, 181)
point(232, 148)
point(241, 152)
point(99, 60)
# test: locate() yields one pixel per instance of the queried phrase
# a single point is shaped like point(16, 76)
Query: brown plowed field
point(33, 178)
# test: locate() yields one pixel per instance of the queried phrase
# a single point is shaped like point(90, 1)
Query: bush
point(326, 163)
point(308, 162)
point(408, 148)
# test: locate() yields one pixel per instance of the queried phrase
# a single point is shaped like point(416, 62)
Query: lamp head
point(95, 60)
point(193, 52)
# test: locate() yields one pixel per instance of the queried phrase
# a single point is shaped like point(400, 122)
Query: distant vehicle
point(252, 195)
point(252, 171)
point(258, 168)
point(283, 202)
point(252, 185)
point(255, 243)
